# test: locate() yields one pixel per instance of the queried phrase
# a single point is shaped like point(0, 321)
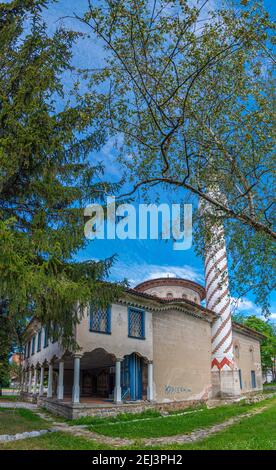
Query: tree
point(4, 352)
point(189, 91)
point(268, 346)
point(46, 177)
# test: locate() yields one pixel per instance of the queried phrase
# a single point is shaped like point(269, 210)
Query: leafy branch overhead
point(188, 91)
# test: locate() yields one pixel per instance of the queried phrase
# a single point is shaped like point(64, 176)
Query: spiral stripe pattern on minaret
point(218, 300)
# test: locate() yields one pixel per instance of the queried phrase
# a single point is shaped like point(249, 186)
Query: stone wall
point(181, 356)
point(247, 356)
point(74, 411)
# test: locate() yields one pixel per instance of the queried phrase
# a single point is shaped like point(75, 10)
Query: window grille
point(100, 319)
point(33, 344)
point(39, 341)
point(46, 337)
point(136, 327)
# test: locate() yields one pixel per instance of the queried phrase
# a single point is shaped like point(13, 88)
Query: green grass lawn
point(54, 441)
point(127, 417)
point(17, 420)
point(173, 424)
point(122, 417)
point(255, 433)
point(10, 398)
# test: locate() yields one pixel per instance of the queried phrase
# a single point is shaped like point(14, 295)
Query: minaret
point(225, 380)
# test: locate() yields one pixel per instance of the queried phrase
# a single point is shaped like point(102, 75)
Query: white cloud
point(136, 273)
point(245, 305)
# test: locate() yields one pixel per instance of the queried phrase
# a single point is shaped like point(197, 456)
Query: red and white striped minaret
point(225, 380)
point(218, 299)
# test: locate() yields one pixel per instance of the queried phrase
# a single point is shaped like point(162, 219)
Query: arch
point(98, 356)
point(236, 351)
point(169, 295)
point(145, 358)
point(251, 352)
point(52, 360)
point(100, 350)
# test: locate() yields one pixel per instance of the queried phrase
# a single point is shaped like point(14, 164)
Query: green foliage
point(15, 371)
point(190, 90)
point(5, 334)
point(47, 174)
point(268, 345)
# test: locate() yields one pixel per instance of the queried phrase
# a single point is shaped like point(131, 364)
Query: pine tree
point(46, 175)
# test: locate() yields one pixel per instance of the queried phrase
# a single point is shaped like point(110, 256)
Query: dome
point(173, 288)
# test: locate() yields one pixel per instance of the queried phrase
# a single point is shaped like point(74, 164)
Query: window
point(251, 352)
point(240, 377)
point(100, 319)
point(46, 337)
point(38, 341)
point(55, 334)
point(237, 352)
point(169, 295)
point(136, 323)
point(29, 349)
point(184, 296)
point(253, 379)
point(33, 345)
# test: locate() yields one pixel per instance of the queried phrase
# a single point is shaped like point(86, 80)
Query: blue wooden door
point(253, 379)
point(135, 377)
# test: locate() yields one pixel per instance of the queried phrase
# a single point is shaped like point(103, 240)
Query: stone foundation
point(74, 411)
point(28, 397)
point(225, 383)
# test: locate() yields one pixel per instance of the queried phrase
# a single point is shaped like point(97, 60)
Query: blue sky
point(137, 260)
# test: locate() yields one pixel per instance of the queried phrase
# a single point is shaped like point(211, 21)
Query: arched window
point(251, 352)
point(184, 296)
point(237, 351)
point(169, 295)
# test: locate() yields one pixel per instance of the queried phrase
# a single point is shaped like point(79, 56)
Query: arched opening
point(134, 379)
point(97, 375)
point(169, 295)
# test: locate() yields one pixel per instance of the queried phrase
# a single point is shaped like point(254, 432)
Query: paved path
point(200, 434)
point(22, 435)
point(82, 431)
point(18, 404)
